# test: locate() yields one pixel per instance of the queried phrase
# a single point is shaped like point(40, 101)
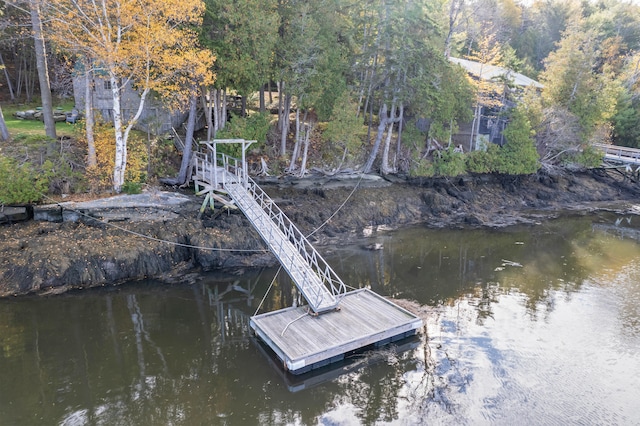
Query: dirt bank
point(45, 257)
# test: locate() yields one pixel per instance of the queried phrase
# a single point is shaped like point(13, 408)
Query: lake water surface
point(525, 325)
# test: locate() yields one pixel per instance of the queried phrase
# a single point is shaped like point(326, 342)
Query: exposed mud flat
point(45, 257)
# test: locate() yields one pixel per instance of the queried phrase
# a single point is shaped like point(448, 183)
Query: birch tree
point(133, 43)
point(4, 132)
point(43, 69)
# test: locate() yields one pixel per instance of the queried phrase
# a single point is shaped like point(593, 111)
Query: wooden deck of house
point(335, 322)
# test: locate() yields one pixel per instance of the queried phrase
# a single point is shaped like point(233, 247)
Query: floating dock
point(335, 322)
point(304, 342)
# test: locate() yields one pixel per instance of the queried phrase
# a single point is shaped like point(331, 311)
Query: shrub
point(519, 156)
point(21, 183)
point(253, 127)
point(483, 161)
point(589, 157)
point(449, 163)
point(344, 132)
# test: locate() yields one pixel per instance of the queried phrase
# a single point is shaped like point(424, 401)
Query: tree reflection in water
point(495, 336)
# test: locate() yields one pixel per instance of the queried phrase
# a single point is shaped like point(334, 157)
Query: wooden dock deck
point(304, 342)
point(335, 322)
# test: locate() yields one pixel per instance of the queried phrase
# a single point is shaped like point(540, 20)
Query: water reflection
point(536, 323)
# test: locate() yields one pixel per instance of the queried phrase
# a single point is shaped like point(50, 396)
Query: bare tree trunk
point(475, 124)
point(376, 145)
point(4, 132)
point(262, 105)
point(399, 139)
point(280, 106)
point(308, 130)
point(455, 8)
point(92, 159)
point(223, 119)
point(384, 168)
point(205, 97)
point(43, 71)
point(6, 74)
point(216, 111)
point(296, 146)
point(285, 125)
point(185, 165)
point(122, 132)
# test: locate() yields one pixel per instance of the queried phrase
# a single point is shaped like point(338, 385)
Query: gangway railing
point(311, 273)
point(316, 280)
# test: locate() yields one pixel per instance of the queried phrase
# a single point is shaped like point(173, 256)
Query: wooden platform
point(304, 342)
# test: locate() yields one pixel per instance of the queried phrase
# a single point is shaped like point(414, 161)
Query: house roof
point(490, 72)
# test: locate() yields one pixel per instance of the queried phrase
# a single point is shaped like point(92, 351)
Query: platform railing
point(622, 154)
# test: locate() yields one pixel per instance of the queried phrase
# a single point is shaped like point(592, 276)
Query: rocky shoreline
point(167, 241)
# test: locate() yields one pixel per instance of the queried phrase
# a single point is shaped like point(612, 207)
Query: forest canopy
point(339, 84)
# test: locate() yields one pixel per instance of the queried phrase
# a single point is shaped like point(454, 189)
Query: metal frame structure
point(218, 172)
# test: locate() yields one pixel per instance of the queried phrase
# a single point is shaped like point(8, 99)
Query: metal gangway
point(315, 279)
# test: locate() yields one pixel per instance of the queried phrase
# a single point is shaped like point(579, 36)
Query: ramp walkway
point(620, 154)
point(315, 279)
point(301, 338)
point(312, 275)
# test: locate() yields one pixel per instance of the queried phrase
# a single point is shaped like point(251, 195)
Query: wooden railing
point(620, 154)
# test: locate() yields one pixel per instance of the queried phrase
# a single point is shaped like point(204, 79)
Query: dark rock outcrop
point(116, 243)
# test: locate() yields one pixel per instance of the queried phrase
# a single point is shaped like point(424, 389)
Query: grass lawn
point(30, 128)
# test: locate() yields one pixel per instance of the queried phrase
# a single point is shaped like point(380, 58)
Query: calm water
point(528, 325)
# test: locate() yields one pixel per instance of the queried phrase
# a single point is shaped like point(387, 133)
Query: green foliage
point(519, 156)
point(589, 158)
point(253, 127)
point(20, 183)
point(132, 187)
point(344, 131)
point(483, 161)
point(449, 163)
point(626, 122)
point(421, 168)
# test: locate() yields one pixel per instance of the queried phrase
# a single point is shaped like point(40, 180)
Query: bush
point(519, 156)
point(132, 187)
point(21, 183)
point(253, 127)
point(101, 176)
point(589, 157)
point(483, 161)
point(344, 132)
point(449, 163)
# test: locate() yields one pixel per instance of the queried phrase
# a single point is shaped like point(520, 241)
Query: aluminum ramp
point(315, 279)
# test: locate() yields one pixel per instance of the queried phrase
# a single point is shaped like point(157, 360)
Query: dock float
point(304, 342)
point(335, 322)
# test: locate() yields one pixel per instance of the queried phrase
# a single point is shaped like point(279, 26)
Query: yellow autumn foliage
point(100, 177)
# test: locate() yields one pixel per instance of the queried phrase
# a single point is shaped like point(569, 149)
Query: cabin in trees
point(156, 118)
point(490, 118)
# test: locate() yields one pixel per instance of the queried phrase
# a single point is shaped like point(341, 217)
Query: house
point(156, 118)
point(492, 119)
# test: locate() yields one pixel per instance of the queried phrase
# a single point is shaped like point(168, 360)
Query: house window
point(107, 85)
